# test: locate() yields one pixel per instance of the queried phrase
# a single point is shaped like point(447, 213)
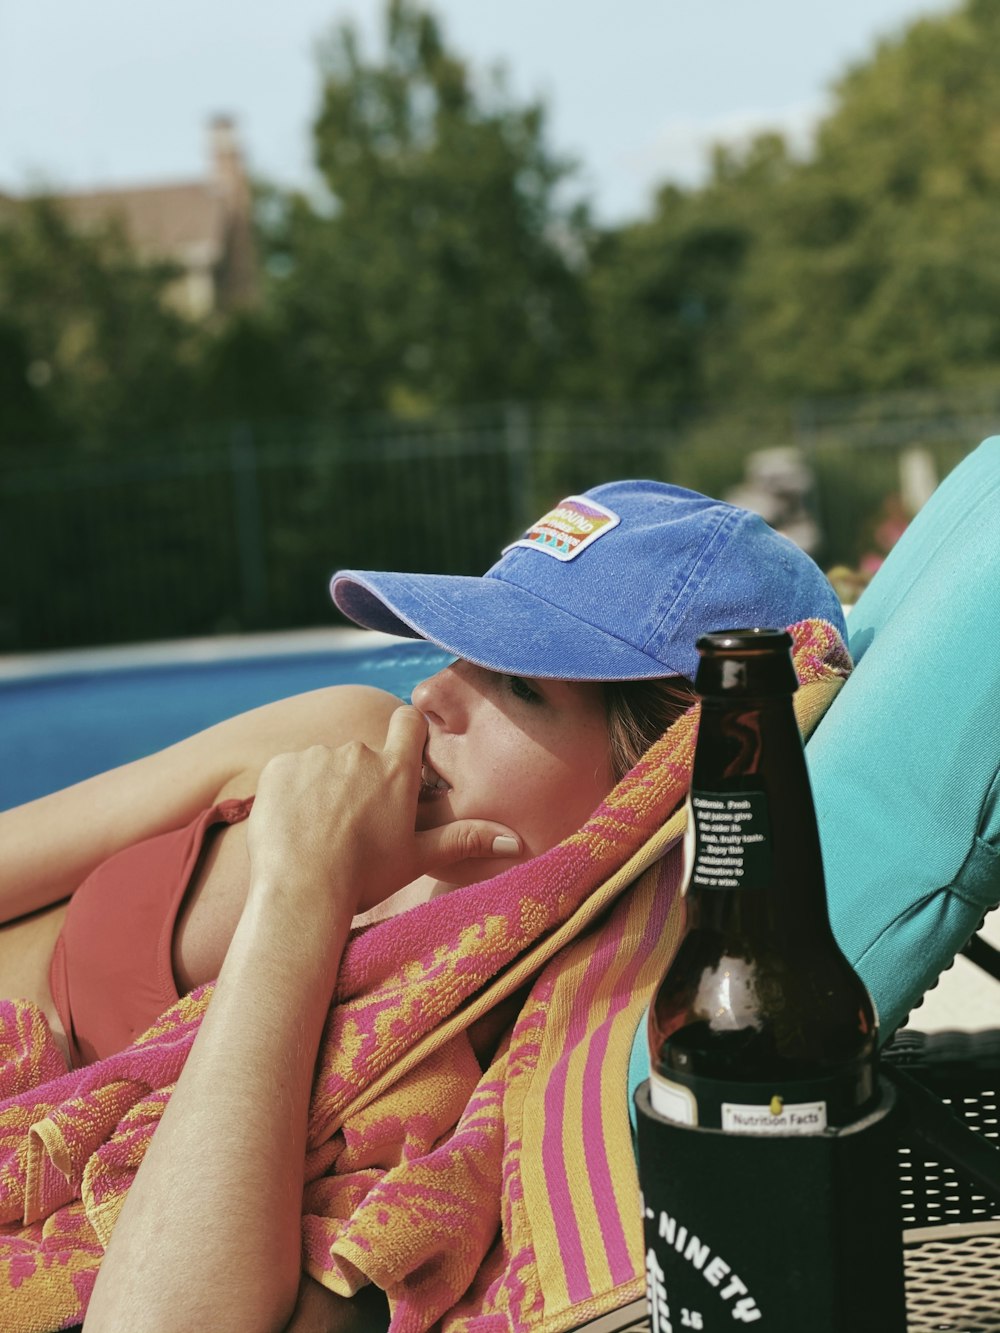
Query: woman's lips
point(432, 784)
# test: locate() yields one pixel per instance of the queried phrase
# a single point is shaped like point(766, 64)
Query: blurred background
point(285, 288)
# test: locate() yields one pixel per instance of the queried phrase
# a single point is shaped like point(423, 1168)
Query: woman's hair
point(639, 712)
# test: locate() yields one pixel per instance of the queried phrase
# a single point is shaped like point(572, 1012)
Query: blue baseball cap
point(615, 584)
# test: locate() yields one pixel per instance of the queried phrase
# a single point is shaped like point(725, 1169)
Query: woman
point(363, 805)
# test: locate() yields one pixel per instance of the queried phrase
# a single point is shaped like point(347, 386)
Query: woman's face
point(533, 754)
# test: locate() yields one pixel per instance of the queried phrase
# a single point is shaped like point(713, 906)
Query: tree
point(85, 325)
point(876, 261)
point(871, 263)
point(24, 414)
point(444, 268)
point(661, 298)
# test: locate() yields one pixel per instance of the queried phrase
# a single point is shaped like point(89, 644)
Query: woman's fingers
point(342, 821)
point(405, 737)
point(437, 849)
point(466, 840)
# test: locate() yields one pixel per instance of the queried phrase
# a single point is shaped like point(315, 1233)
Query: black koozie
point(796, 1233)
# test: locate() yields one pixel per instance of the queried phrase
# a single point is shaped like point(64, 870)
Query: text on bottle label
point(731, 840)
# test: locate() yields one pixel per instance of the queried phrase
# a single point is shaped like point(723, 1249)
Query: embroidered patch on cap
point(566, 530)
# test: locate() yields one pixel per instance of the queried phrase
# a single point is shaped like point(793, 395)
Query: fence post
point(805, 432)
point(249, 529)
point(518, 444)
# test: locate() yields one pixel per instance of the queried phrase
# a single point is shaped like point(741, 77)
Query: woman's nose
point(438, 697)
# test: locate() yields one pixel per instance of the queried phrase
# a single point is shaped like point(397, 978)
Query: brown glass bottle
point(760, 1024)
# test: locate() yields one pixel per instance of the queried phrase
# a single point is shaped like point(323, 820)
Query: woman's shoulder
point(328, 716)
point(49, 846)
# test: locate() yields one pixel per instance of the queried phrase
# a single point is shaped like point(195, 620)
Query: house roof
point(205, 226)
point(178, 219)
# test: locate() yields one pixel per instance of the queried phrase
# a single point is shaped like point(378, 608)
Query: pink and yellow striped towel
point(496, 1199)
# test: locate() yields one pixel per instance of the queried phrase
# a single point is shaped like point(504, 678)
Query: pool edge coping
point(221, 647)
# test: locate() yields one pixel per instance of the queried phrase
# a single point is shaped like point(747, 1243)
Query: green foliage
point(445, 266)
point(84, 325)
point(443, 269)
point(247, 370)
point(661, 293)
point(876, 262)
point(871, 264)
point(831, 298)
point(24, 413)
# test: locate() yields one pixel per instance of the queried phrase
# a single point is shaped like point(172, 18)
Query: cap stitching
point(708, 553)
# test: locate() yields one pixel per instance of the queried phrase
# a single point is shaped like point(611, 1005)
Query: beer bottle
point(760, 1024)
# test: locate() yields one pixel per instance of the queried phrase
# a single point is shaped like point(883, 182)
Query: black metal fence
point(239, 528)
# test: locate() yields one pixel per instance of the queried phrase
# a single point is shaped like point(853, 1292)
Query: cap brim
point(490, 622)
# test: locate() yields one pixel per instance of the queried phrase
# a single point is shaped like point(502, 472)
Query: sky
point(111, 92)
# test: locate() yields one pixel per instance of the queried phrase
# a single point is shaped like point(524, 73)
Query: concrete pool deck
point(210, 649)
point(965, 999)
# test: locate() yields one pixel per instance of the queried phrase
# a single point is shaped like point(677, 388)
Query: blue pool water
point(57, 727)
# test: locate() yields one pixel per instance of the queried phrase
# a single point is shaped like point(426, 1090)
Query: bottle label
point(785, 1106)
point(778, 1117)
point(732, 840)
point(675, 1102)
point(672, 1100)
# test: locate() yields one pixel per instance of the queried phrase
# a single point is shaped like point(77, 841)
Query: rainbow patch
point(568, 529)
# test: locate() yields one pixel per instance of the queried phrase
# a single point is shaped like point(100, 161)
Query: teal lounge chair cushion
point(905, 767)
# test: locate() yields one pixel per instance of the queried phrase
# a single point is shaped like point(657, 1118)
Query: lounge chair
point(905, 769)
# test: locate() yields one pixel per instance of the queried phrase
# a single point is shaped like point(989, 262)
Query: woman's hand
point(337, 825)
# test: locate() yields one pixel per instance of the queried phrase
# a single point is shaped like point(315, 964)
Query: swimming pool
point(64, 717)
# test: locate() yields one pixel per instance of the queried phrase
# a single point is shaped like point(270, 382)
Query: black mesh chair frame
point(949, 1176)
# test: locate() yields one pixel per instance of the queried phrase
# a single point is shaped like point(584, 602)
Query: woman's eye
point(522, 690)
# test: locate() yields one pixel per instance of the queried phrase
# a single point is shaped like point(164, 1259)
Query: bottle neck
point(756, 738)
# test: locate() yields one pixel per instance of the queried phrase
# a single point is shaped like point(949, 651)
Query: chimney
point(236, 272)
point(228, 173)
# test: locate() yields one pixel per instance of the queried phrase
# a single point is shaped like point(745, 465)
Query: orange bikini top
point(112, 972)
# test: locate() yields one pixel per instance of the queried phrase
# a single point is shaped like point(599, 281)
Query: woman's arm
point(209, 1236)
point(49, 846)
point(320, 1311)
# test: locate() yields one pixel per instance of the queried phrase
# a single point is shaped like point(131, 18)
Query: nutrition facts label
point(731, 840)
